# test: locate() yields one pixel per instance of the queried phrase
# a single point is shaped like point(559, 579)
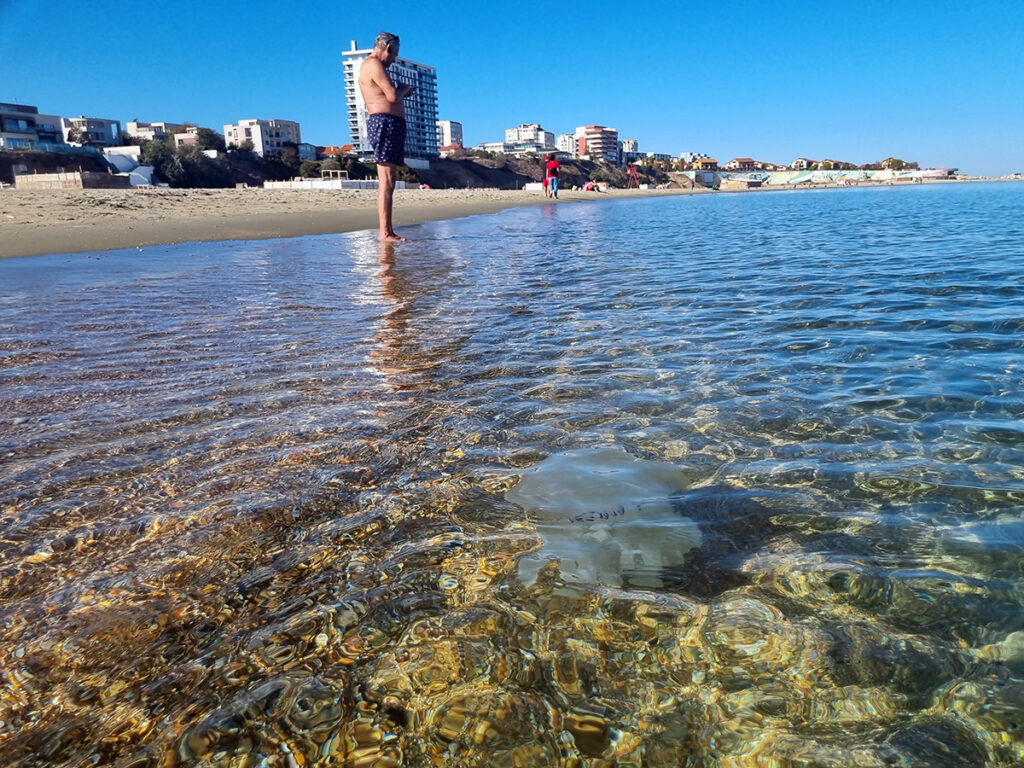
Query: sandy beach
point(73, 221)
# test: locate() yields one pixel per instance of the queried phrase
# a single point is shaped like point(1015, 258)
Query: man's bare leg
point(386, 202)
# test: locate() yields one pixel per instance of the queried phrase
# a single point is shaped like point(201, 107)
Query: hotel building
point(420, 108)
point(268, 137)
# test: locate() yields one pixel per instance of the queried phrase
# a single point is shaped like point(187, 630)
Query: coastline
point(34, 223)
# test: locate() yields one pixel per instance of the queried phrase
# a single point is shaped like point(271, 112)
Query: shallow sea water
point(254, 513)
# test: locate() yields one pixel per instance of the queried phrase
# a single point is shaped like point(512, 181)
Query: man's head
point(386, 45)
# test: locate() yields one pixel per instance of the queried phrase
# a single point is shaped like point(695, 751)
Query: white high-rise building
point(420, 108)
point(268, 137)
point(448, 132)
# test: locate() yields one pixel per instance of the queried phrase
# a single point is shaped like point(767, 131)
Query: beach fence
point(73, 180)
point(327, 184)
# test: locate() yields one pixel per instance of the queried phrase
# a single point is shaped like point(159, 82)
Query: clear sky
point(935, 81)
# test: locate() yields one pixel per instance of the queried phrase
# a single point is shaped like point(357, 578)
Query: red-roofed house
point(741, 164)
point(335, 151)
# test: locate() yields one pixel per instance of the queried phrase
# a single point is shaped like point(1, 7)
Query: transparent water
point(253, 494)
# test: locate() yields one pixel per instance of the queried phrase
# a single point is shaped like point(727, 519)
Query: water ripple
point(254, 507)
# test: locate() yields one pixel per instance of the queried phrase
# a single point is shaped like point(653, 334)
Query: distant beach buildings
point(421, 144)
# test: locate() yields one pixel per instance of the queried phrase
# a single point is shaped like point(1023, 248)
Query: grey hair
point(384, 39)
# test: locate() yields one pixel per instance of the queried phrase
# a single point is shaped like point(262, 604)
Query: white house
point(268, 137)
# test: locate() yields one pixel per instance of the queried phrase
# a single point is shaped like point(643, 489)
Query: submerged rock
point(605, 517)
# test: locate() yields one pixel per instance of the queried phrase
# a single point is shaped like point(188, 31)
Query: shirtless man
point(386, 124)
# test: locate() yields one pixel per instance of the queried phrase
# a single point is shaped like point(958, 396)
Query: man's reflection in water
point(395, 353)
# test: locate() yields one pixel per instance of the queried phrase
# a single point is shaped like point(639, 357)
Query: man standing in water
point(386, 124)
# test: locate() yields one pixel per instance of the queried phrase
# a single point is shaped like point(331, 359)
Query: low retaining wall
point(75, 180)
point(327, 184)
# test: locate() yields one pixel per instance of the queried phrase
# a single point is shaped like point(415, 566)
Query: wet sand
point(73, 221)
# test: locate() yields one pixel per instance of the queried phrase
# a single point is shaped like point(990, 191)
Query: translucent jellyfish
point(606, 517)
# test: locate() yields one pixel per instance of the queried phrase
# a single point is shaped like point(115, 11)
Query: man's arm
point(379, 76)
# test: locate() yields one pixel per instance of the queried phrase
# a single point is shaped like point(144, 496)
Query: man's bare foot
point(391, 237)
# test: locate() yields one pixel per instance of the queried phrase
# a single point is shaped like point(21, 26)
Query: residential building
point(449, 132)
point(801, 164)
point(420, 108)
point(705, 164)
point(189, 135)
point(18, 126)
point(334, 151)
point(102, 132)
point(762, 166)
point(741, 164)
point(268, 137)
point(495, 146)
point(661, 157)
point(306, 150)
point(155, 131)
point(530, 133)
point(690, 157)
point(21, 127)
point(566, 143)
point(630, 145)
point(599, 143)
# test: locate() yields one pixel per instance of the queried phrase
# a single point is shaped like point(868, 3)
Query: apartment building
point(268, 137)
point(599, 143)
point(449, 132)
point(102, 132)
point(530, 134)
point(420, 109)
point(566, 143)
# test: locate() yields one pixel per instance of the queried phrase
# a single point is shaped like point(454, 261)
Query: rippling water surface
point(254, 512)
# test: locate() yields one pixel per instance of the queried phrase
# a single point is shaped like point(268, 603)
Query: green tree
point(290, 155)
point(246, 146)
point(158, 153)
point(310, 169)
point(207, 138)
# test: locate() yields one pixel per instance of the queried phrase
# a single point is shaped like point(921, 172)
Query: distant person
point(551, 174)
point(386, 125)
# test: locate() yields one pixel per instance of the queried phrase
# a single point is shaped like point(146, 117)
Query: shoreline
point(36, 223)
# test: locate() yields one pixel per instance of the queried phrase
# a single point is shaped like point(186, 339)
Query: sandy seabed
point(73, 221)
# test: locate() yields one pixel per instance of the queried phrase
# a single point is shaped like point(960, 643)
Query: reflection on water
point(254, 494)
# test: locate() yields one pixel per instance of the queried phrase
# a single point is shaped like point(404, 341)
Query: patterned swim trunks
point(387, 137)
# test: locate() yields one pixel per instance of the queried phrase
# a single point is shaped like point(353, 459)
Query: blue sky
point(938, 82)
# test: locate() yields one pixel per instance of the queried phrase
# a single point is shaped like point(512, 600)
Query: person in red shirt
point(551, 175)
